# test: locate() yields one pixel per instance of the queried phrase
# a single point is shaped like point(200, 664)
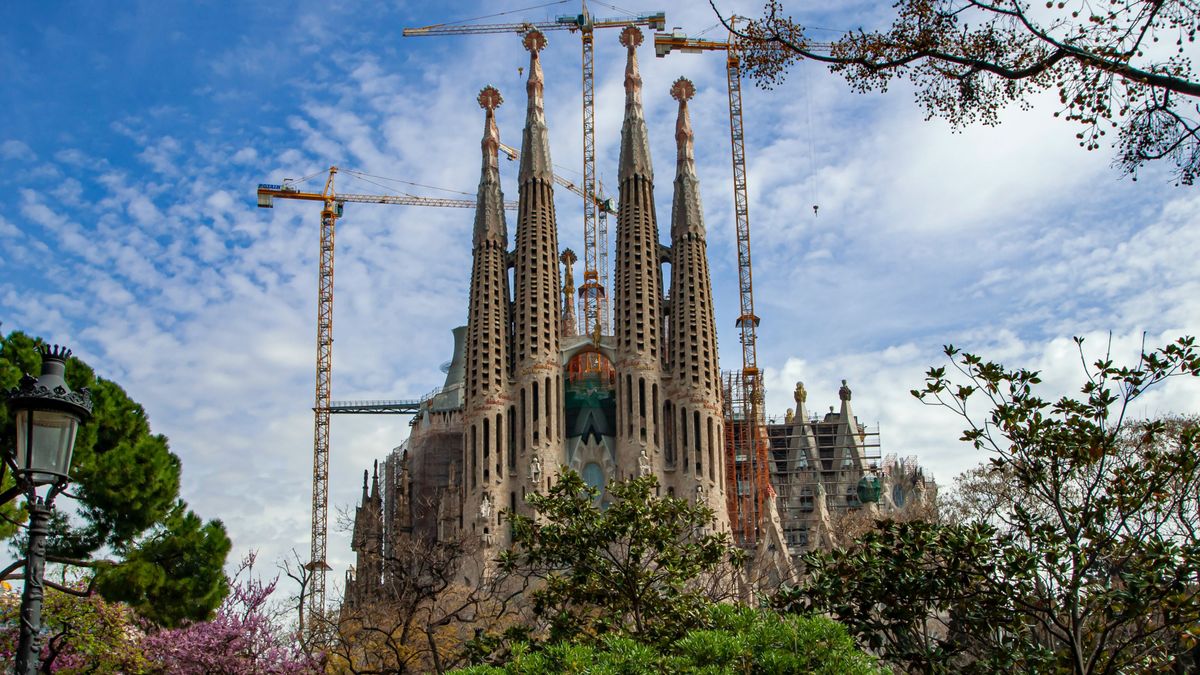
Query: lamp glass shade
point(45, 440)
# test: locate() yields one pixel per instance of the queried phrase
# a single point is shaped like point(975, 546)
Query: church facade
point(525, 396)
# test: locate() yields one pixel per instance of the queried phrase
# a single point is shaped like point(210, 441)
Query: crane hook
point(815, 207)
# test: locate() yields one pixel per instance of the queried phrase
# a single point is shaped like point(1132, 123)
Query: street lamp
point(47, 415)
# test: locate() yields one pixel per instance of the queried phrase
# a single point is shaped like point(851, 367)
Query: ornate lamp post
point(47, 416)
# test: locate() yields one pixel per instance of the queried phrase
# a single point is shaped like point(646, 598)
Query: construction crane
point(747, 451)
point(332, 207)
point(595, 239)
point(597, 201)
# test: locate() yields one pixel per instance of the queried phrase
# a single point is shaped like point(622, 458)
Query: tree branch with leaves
point(1122, 66)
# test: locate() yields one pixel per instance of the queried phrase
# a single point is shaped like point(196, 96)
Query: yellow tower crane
point(331, 210)
point(595, 239)
point(747, 450)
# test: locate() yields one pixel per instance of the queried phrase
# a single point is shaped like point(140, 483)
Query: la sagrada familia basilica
point(525, 394)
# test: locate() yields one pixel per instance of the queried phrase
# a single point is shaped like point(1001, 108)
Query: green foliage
point(1092, 553)
point(628, 568)
point(175, 574)
point(1116, 65)
point(928, 598)
point(740, 640)
point(83, 634)
point(127, 483)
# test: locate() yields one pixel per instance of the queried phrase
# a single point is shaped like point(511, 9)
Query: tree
point(1119, 65)
point(927, 598)
point(85, 634)
point(245, 636)
point(420, 616)
point(1110, 509)
point(130, 528)
point(631, 568)
point(1098, 558)
point(740, 640)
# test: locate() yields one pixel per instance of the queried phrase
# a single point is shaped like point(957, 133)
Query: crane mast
point(331, 210)
point(593, 291)
point(317, 563)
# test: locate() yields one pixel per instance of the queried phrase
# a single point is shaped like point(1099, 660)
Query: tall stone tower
point(487, 392)
point(696, 439)
point(638, 296)
point(537, 357)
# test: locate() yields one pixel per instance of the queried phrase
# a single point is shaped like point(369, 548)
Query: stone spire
point(635, 144)
point(535, 145)
point(538, 427)
point(367, 544)
point(695, 389)
point(638, 287)
point(489, 211)
point(488, 325)
point(849, 440)
point(376, 497)
point(568, 259)
point(692, 351)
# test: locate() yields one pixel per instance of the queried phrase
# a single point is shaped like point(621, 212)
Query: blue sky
point(132, 136)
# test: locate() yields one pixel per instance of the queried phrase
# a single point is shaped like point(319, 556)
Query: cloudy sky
point(132, 136)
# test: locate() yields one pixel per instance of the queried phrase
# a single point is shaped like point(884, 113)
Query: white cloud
point(16, 150)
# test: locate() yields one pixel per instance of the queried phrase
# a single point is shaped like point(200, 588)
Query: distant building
point(824, 466)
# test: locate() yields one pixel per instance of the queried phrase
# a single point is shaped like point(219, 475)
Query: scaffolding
point(822, 456)
point(747, 460)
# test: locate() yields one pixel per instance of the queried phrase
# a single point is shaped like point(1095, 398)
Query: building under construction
point(531, 388)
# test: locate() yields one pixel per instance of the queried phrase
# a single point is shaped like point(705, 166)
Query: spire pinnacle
point(534, 42)
point(489, 99)
point(631, 39)
point(535, 145)
point(635, 146)
point(375, 481)
point(489, 209)
point(687, 217)
point(365, 496)
point(683, 90)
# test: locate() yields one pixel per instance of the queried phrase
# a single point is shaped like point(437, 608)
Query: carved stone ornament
point(489, 98)
point(801, 394)
point(485, 507)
